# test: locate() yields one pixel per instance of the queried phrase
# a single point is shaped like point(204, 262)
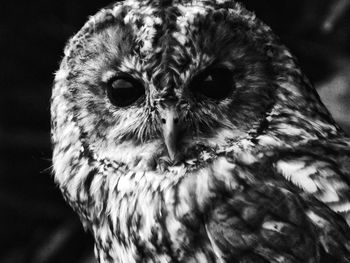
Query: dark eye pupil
point(216, 83)
point(123, 90)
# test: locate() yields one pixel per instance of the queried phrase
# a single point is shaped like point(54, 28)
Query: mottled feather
point(256, 172)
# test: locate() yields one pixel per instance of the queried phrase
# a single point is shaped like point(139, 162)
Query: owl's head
point(155, 79)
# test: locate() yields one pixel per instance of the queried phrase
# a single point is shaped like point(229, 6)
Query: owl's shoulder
point(320, 168)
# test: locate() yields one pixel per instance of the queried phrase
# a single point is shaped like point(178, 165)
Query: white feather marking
point(124, 185)
point(189, 13)
point(341, 207)
point(97, 184)
point(246, 157)
point(117, 10)
point(288, 54)
point(62, 164)
point(292, 130)
point(149, 208)
point(267, 140)
point(329, 195)
point(199, 257)
point(181, 38)
point(174, 228)
point(223, 1)
point(319, 221)
point(148, 31)
point(106, 76)
point(77, 180)
point(133, 4)
point(222, 169)
point(216, 249)
point(296, 172)
point(61, 74)
point(273, 225)
point(328, 190)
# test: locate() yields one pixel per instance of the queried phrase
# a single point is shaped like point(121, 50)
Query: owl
point(184, 131)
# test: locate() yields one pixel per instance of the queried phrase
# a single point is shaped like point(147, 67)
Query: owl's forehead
point(173, 22)
point(161, 41)
point(165, 49)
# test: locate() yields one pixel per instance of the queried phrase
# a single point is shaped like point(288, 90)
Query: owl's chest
point(148, 226)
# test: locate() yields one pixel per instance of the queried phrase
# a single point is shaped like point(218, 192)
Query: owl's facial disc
point(209, 69)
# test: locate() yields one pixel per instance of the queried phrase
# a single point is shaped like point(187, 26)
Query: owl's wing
point(320, 168)
point(264, 218)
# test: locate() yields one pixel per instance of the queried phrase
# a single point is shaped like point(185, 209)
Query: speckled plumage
point(260, 175)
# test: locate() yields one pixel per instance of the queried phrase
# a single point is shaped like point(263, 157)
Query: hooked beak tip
point(170, 126)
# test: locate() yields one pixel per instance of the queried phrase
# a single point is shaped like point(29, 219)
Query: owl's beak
point(170, 127)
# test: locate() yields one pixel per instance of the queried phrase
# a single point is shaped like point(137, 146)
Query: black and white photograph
point(168, 131)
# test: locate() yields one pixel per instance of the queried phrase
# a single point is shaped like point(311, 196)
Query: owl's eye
point(123, 90)
point(216, 83)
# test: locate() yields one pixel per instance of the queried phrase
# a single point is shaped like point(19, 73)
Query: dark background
point(35, 223)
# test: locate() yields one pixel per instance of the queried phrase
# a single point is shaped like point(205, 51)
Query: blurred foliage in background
point(36, 225)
